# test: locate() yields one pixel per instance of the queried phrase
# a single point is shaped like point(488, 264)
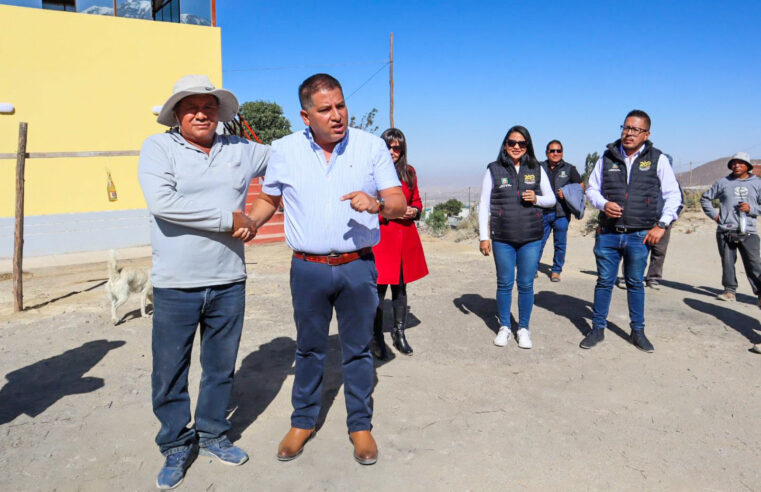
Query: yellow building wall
point(89, 82)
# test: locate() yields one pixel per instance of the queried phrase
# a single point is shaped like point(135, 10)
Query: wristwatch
point(381, 204)
point(661, 224)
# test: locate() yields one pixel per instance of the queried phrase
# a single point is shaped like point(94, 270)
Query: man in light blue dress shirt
point(333, 181)
point(195, 183)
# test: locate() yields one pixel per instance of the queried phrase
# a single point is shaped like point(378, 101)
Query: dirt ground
point(460, 414)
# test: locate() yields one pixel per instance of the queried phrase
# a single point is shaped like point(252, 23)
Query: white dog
point(124, 281)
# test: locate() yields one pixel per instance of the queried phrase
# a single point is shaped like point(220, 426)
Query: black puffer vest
point(562, 176)
point(514, 220)
point(639, 197)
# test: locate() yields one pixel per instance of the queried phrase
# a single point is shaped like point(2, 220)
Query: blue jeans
point(317, 288)
point(559, 227)
point(508, 256)
point(609, 249)
point(177, 314)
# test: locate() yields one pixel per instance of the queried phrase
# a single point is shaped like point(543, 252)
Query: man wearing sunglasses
point(638, 196)
point(556, 218)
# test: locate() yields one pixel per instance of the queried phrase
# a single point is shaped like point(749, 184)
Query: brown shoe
point(555, 277)
point(727, 295)
point(293, 443)
point(365, 449)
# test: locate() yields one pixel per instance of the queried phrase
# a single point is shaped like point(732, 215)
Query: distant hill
point(706, 174)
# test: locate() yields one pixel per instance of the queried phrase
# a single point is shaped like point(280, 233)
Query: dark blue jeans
point(559, 228)
point(609, 249)
point(177, 313)
point(508, 257)
point(316, 289)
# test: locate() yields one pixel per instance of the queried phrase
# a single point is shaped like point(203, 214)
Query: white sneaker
point(502, 337)
point(524, 340)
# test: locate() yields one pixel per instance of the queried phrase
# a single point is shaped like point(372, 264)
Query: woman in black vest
point(515, 189)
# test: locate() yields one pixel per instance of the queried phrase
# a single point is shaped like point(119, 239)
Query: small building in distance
point(91, 83)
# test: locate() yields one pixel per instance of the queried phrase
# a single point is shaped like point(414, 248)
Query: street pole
point(690, 173)
point(391, 81)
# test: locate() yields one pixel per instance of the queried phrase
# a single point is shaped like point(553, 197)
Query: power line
point(292, 67)
point(368, 80)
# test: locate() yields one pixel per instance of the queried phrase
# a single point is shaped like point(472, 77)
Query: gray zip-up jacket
point(730, 191)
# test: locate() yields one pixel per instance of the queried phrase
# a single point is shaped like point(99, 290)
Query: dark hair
point(638, 113)
point(552, 142)
point(403, 170)
point(528, 158)
point(316, 82)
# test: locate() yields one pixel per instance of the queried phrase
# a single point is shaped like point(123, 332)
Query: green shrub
point(437, 222)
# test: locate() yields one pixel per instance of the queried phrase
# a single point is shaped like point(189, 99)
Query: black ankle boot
point(379, 344)
point(400, 341)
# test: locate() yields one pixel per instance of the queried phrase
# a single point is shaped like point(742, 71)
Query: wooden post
point(391, 80)
point(18, 239)
point(114, 8)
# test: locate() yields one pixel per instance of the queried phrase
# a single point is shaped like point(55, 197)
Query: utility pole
point(690, 173)
point(391, 80)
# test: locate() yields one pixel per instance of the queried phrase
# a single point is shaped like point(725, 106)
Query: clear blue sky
point(464, 73)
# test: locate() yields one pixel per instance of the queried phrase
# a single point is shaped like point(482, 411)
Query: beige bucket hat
point(190, 85)
point(743, 157)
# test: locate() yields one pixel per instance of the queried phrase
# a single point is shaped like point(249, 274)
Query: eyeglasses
point(555, 151)
point(632, 129)
point(520, 143)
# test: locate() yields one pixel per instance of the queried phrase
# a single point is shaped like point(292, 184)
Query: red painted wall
point(271, 232)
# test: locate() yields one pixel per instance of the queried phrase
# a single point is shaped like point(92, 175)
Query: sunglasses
point(555, 151)
point(520, 143)
point(396, 148)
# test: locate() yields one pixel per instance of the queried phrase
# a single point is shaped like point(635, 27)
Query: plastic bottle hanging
point(110, 187)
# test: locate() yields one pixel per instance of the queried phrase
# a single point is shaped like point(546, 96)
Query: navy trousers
point(316, 289)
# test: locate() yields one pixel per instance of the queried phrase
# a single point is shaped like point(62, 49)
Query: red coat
point(400, 243)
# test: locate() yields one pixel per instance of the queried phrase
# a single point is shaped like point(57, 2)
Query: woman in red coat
point(399, 254)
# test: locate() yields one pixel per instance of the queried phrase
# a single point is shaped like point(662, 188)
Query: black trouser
point(657, 257)
point(748, 245)
point(398, 297)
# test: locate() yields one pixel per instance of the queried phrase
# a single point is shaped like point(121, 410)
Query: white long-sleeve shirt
point(672, 196)
point(545, 200)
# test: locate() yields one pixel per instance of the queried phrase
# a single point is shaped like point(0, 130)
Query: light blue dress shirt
point(191, 197)
point(316, 220)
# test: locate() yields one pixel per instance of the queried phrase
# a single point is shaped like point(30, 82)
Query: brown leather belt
point(334, 259)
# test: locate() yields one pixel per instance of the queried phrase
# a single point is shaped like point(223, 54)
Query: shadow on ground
point(746, 325)
point(34, 388)
point(72, 293)
point(263, 372)
point(577, 311)
point(483, 307)
point(258, 381)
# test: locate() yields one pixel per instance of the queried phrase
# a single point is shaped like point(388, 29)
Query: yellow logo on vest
point(529, 179)
point(645, 165)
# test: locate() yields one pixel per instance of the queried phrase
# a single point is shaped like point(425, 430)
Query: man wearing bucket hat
point(335, 180)
point(739, 196)
point(195, 183)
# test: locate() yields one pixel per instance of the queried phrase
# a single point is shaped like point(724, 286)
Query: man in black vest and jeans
point(556, 219)
point(626, 185)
